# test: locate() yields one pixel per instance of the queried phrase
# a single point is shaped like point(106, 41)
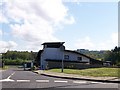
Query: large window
point(79, 58)
point(66, 57)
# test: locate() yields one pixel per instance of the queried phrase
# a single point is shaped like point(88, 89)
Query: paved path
point(2, 70)
point(74, 76)
point(16, 78)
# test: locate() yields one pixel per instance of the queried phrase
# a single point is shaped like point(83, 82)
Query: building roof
point(53, 43)
point(91, 59)
point(78, 53)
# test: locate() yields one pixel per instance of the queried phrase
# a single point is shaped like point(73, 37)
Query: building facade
point(54, 53)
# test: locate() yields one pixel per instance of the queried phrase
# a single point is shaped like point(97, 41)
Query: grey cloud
point(40, 12)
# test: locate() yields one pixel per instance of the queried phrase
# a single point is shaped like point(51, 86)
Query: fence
point(71, 65)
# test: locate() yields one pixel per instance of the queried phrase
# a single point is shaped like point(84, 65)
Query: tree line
point(98, 55)
point(113, 56)
point(105, 55)
point(18, 57)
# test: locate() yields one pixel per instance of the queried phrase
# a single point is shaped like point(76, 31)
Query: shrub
point(14, 62)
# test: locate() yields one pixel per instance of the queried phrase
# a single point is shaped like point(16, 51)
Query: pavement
point(1, 70)
point(78, 77)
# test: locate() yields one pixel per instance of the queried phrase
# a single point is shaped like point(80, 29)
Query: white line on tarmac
point(23, 80)
point(100, 83)
point(10, 75)
point(42, 81)
point(7, 80)
point(96, 82)
point(79, 82)
point(60, 81)
point(2, 70)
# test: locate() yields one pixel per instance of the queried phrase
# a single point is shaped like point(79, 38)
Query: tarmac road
point(18, 78)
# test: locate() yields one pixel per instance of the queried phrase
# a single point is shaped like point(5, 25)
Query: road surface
point(18, 78)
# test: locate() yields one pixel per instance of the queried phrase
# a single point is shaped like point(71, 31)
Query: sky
point(81, 24)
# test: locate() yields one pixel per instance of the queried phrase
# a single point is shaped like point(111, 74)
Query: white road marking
point(42, 80)
point(23, 80)
point(96, 82)
point(105, 83)
point(100, 83)
point(7, 80)
point(2, 70)
point(79, 82)
point(60, 81)
point(10, 75)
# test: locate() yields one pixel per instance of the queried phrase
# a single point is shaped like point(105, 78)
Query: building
point(83, 50)
point(54, 52)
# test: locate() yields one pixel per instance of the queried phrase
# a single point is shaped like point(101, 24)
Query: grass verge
point(8, 66)
point(4, 68)
point(96, 72)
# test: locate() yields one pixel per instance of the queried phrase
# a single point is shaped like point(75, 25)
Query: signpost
point(62, 49)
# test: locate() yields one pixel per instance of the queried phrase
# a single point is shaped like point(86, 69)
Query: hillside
point(99, 55)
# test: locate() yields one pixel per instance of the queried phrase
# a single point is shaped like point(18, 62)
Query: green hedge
point(14, 62)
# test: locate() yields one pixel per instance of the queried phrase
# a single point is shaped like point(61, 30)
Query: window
point(79, 58)
point(66, 57)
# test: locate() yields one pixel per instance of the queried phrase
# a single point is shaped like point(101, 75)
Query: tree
point(114, 56)
point(16, 57)
point(38, 59)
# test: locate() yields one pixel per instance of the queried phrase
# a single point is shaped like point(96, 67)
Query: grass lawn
point(96, 72)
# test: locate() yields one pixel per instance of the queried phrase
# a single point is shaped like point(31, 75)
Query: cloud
point(4, 46)
point(119, 38)
point(35, 21)
point(84, 43)
point(52, 11)
point(87, 43)
point(115, 38)
point(78, 1)
point(3, 19)
point(1, 33)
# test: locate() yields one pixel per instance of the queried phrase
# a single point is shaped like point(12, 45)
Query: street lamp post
point(24, 65)
point(62, 63)
point(62, 49)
